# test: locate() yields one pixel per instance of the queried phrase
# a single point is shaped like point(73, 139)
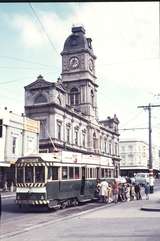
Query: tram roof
point(42, 157)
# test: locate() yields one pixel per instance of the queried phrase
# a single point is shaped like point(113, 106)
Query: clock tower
point(78, 72)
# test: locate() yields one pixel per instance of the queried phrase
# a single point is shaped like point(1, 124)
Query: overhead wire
point(43, 28)
point(133, 118)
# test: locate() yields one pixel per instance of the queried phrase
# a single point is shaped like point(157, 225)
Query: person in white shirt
point(103, 191)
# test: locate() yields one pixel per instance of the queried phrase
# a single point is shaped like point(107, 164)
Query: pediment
point(39, 83)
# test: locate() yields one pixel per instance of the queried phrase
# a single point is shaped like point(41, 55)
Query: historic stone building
point(67, 108)
point(135, 157)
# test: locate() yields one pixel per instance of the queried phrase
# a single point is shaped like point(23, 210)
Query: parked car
point(142, 178)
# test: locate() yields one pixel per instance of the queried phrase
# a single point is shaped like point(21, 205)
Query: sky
point(125, 39)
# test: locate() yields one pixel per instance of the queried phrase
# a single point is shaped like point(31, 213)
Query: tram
point(57, 180)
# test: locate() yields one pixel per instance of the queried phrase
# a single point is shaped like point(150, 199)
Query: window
point(20, 174)
point(68, 134)
point(52, 173)
point(59, 130)
point(102, 172)
point(14, 140)
point(92, 98)
point(91, 172)
point(110, 148)
point(40, 99)
point(28, 174)
point(64, 173)
point(42, 129)
point(39, 173)
point(105, 146)
point(106, 172)
point(74, 96)
point(1, 127)
point(70, 172)
point(76, 136)
point(100, 143)
point(94, 141)
point(116, 149)
point(83, 139)
point(76, 172)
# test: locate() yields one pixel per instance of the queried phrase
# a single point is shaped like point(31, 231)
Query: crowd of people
point(115, 191)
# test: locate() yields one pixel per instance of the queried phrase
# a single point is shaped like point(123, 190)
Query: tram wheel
point(64, 205)
point(75, 202)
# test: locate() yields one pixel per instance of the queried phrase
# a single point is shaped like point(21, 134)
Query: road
point(90, 222)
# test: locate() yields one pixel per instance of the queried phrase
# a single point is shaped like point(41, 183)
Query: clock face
point(74, 62)
point(91, 65)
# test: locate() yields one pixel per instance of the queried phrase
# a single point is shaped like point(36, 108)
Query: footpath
point(153, 204)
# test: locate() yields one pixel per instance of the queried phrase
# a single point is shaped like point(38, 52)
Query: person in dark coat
point(137, 189)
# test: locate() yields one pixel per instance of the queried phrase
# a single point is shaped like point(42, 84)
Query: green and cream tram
point(58, 179)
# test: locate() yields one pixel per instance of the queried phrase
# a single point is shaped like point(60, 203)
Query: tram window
point(87, 172)
point(102, 172)
point(64, 173)
point(106, 173)
point(70, 172)
point(55, 173)
point(39, 174)
point(52, 173)
point(20, 174)
point(49, 177)
point(91, 172)
point(28, 174)
point(76, 172)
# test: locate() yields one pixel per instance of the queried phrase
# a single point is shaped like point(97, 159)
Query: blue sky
point(125, 40)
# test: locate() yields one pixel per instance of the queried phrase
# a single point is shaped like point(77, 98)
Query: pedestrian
point(128, 192)
point(132, 192)
point(147, 190)
point(110, 193)
point(98, 187)
point(103, 191)
point(115, 191)
point(138, 191)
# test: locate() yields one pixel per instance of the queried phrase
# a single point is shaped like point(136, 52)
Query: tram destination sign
point(29, 160)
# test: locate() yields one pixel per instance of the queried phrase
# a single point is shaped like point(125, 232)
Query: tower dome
point(77, 41)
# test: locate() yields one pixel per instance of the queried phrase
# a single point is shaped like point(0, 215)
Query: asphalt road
point(89, 222)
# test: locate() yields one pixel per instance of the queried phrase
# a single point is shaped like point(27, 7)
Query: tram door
point(83, 181)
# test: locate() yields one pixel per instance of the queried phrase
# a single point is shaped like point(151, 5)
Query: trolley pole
point(151, 181)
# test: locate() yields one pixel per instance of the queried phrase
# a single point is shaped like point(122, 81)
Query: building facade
point(67, 108)
point(135, 157)
point(19, 136)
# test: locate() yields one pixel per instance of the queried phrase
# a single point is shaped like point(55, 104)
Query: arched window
point(40, 99)
point(94, 141)
point(92, 98)
point(74, 96)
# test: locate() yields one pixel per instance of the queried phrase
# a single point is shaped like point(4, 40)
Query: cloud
point(125, 41)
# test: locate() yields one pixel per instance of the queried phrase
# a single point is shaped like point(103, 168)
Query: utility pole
point(151, 182)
